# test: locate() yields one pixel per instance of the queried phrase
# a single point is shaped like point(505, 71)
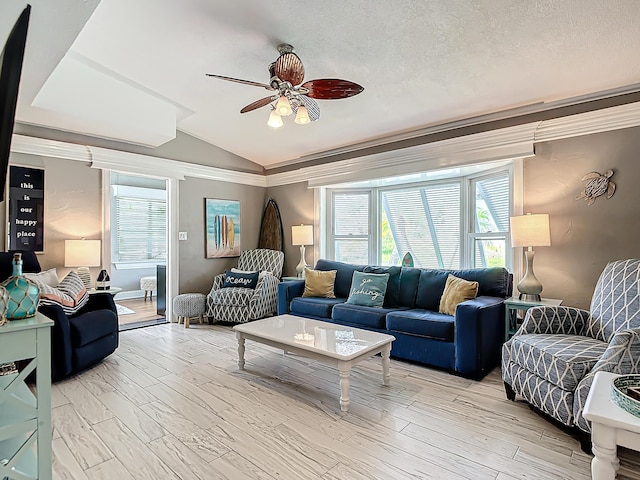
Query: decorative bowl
point(619, 393)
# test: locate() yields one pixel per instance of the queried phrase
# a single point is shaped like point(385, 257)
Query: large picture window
point(450, 223)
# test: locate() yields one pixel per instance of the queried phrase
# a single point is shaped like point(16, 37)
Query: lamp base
point(529, 298)
point(529, 287)
point(303, 264)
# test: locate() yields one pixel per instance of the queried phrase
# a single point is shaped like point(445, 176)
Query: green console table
point(513, 304)
point(25, 417)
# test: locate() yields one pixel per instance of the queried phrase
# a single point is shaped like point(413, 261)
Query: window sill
point(137, 265)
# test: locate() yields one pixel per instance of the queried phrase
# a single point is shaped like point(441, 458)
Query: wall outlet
point(182, 235)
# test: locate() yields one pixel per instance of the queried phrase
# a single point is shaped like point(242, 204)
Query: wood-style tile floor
point(171, 403)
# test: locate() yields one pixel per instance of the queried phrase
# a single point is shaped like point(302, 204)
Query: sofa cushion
point(430, 288)
point(314, 306)
point(91, 326)
point(562, 360)
point(408, 288)
point(344, 272)
point(368, 289)
point(492, 282)
point(318, 283)
point(368, 317)
point(422, 322)
point(392, 295)
point(456, 290)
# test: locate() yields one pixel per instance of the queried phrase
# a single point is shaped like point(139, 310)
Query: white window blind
point(141, 228)
point(425, 221)
point(350, 226)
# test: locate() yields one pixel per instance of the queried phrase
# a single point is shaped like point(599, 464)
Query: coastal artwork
point(222, 219)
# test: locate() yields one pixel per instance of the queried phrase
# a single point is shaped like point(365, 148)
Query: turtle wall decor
point(597, 184)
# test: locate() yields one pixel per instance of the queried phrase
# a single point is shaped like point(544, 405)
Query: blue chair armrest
point(287, 291)
point(479, 333)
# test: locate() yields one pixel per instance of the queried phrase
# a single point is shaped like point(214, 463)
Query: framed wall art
point(222, 227)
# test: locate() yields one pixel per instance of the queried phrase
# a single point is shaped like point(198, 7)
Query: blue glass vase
point(23, 294)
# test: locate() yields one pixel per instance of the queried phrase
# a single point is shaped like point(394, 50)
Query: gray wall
point(296, 205)
point(196, 271)
point(583, 238)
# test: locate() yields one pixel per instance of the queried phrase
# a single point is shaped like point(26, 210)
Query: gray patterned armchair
point(241, 305)
point(553, 357)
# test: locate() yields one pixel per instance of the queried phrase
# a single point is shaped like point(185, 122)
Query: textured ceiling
point(136, 71)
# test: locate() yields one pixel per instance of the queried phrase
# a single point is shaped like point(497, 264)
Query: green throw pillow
point(368, 289)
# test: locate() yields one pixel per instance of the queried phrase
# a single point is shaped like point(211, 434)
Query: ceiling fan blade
point(331, 88)
point(257, 104)
point(237, 80)
point(289, 68)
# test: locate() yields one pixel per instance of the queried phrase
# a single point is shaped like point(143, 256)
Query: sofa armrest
point(479, 333)
point(287, 291)
point(218, 281)
point(99, 301)
point(60, 341)
point(555, 320)
point(263, 301)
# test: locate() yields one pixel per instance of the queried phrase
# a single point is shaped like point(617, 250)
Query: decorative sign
point(26, 209)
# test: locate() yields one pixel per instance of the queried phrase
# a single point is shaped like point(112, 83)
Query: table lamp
point(301, 235)
point(530, 231)
point(82, 254)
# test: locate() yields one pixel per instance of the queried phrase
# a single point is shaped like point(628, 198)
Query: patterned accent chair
point(553, 357)
point(241, 305)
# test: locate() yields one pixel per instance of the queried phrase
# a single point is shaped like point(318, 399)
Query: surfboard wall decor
point(222, 227)
point(271, 233)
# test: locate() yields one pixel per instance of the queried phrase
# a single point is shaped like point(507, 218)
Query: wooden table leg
point(386, 353)
point(605, 462)
point(345, 372)
point(240, 350)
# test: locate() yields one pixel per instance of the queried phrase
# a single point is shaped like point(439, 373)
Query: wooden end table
point(610, 426)
point(513, 304)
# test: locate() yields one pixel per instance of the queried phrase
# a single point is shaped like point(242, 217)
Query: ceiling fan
point(290, 95)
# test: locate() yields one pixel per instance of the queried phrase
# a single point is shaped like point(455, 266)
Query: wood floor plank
point(181, 392)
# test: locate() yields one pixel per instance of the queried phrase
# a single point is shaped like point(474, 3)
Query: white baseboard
point(130, 294)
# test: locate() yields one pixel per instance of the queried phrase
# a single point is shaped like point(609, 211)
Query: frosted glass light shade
point(530, 230)
point(302, 116)
point(275, 120)
point(283, 107)
point(82, 253)
point(302, 235)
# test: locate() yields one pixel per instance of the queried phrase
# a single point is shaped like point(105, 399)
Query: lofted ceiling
point(134, 71)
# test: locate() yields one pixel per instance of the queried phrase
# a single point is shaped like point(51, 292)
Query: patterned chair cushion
point(562, 360)
point(236, 296)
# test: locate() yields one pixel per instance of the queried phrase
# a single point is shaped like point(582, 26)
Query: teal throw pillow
point(368, 289)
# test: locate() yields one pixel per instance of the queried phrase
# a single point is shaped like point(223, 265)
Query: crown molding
point(49, 148)
point(493, 145)
point(130, 162)
point(597, 121)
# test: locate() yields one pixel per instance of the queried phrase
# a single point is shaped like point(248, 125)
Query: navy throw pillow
point(242, 280)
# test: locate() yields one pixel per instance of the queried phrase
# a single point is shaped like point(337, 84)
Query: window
point(448, 223)
point(350, 227)
point(140, 224)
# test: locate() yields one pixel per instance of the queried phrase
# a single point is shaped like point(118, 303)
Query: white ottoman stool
point(148, 284)
point(189, 305)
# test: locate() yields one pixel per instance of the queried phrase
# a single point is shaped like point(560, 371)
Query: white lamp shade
point(275, 120)
point(530, 230)
point(82, 253)
point(283, 107)
point(302, 235)
point(302, 116)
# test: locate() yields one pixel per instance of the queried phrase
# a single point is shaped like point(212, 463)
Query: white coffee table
point(326, 342)
point(610, 426)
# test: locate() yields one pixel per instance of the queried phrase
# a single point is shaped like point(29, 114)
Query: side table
point(513, 304)
point(610, 426)
point(113, 291)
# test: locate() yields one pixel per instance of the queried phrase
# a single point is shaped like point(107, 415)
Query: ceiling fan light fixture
point(302, 116)
point(283, 107)
point(275, 120)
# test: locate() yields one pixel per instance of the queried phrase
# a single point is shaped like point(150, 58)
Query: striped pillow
point(70, 294)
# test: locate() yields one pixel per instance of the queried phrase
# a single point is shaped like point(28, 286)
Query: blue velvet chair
point(77, 341)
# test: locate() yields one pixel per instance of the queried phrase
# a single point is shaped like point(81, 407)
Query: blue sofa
point(468, 343)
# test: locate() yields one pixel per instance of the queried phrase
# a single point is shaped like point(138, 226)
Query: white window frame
point(330, 229)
